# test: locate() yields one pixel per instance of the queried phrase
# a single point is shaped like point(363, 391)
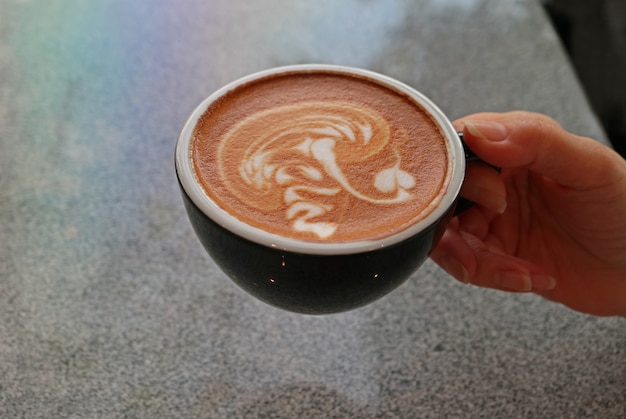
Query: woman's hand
point(552, 222)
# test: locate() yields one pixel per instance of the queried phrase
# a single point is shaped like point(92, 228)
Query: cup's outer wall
point(309, 283)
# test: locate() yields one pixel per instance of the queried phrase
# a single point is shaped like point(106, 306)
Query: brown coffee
point(321, 156)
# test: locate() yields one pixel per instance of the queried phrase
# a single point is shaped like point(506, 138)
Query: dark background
point(594, 35)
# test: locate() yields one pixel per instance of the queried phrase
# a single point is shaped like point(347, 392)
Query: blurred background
point(594, 35)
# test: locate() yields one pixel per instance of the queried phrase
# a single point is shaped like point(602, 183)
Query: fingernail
point(514, 281)
point(543, 282)
point(487, 130)
point(455, 268)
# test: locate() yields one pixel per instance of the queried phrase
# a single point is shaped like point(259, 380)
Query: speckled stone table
point(109, 306)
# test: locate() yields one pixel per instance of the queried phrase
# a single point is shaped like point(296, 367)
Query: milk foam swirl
point(296, 159)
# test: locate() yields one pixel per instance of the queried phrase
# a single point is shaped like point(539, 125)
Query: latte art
point(299, 162)
point(321, 156)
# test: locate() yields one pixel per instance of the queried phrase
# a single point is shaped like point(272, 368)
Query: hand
point(552, 222)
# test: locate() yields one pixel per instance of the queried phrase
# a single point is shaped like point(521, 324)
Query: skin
point(552, 222)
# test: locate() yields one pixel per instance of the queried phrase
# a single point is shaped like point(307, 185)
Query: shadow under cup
point(315, 277)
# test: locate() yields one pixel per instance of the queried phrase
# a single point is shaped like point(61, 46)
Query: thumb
point(538, 143)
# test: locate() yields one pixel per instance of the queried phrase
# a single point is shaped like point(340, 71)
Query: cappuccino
point(321, 156)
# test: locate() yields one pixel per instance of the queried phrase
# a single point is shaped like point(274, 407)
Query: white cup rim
point(193, 189)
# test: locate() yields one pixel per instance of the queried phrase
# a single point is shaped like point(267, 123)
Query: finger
point(507, 273)
point(538, 143)
point(453, 255)
point(484, 186)
point(470, 260)
point(476, 221)
point(495, 269)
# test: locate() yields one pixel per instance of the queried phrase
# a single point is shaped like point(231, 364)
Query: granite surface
point(109, 306)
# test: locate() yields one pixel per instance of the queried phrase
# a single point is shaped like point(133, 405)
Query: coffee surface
point(321, 156)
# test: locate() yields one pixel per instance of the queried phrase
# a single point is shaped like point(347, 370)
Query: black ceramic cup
point(316, 277)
